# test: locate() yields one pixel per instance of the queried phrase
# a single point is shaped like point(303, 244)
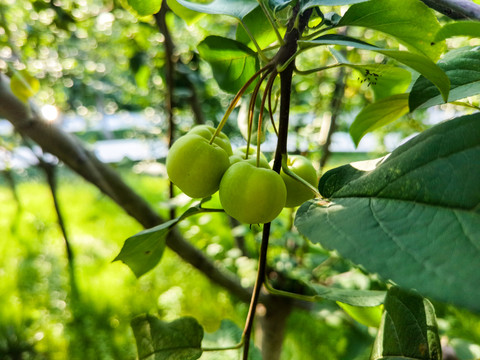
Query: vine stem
point(286, 52)
point(262, 262)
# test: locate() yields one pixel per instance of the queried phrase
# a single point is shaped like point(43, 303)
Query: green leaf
point(159, 340)
point(417, 62)
point(232, 62)
point(349, 296)
point(412, 217)
point(410, 21)
point(189, 16)
point(462, 67)
point(142, 252)
point(408, 328)
point(307, 4)
point(236, 8)
point(259, 26)
point(368, 316)
point(24, 85)
point(459, 28)
point(227, 336)
point(389, 80)
point(279, 5)
point(378, 114)
point(145, 7)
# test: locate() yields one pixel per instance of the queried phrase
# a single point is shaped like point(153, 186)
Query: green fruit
point(196, 166)
point(239, 155)
point(207, 132)
point(252, 195)
point(298, 193)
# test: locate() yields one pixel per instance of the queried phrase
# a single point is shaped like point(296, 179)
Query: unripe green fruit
point(252, 195)
point(196, 166)
point(298, 193)
point(240, 153)
point(207, 132)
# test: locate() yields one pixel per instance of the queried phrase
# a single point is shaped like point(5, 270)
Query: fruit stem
point(251, 112)
point(290, 173)
point(269, 85)
point(236, 99)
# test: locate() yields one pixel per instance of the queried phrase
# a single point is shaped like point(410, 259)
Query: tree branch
point(28, 122)
point(456, 9)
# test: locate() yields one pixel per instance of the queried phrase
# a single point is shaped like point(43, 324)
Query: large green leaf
point(410, 21)
point(408, 328)
point(233, 63)
point(142, 252)
point(459, 28)
point(259, 27)
point(378, 114)
point(462, 67)
point(236, 8)
point(417, 62)
point(384, 80)
point(412, 217)
point(159, 340)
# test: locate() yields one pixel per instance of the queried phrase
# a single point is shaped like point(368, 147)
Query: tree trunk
point(271, 324)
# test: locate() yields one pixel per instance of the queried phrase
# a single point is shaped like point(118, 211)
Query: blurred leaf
point(417, 62)
point(378, 114)
point(414, 218)
point(414, 28)
point(349, 296)
point(368, 316)
point(408, 328)
point(459, 28)
point(232, 62)
point(160, 340)
point(24, 85)
point(228, 335)
point(236, 8)
point(145, 7)
point(142, 76)
point(462, 67)
point(190, 16)
point(142, 252)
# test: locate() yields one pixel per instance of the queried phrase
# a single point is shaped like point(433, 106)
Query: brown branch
point(456, 9)
point(69, 150)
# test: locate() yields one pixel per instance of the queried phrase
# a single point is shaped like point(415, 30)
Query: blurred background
point(101, 74)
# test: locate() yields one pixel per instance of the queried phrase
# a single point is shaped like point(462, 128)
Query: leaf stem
point(272, 22)
point(290, 173)
point(259, 49)
point(233, 347)
point(270, 81)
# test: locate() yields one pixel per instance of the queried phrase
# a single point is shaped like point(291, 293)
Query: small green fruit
point(252, 195)
point(207, 132)
point(298, 193)
point(196, 166)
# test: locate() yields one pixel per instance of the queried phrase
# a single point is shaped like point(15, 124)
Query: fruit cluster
point(249, 190)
